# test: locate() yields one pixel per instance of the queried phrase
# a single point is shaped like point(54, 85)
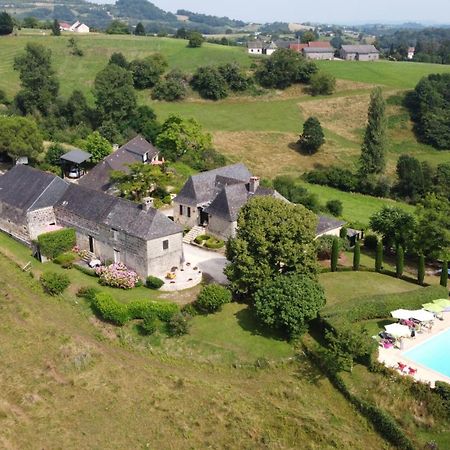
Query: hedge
point(380, 306)
point(110, 309)
point(383, 422)
point(164, 311)
point(55, 243)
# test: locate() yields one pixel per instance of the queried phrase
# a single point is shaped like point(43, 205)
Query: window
point(116, 256)
point(189, 211)
point(181, 210)
point(166, 245)
point(115, 234)
point(145, 157)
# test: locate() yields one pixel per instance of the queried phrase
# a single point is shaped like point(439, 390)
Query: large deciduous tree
point(19, 136)
point(179, 137)
point(39, 84)
point(209, 83)
point(433, 227)
point(395, 225)
point(97, 146)
point(6, 24)
point(373, 151)
point(147, 72)
point(312, 138)
point(115, 95)
point(288, 302)
point(273, 237)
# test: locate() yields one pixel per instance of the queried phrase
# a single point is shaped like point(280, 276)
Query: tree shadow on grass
point(247, 320)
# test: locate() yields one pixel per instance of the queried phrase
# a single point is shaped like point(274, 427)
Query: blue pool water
point(434, 353)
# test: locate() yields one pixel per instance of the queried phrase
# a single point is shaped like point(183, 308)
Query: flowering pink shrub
point(117, 275)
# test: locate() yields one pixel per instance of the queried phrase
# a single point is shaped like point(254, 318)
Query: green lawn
point(356, 207)
point(402, 75)
point(342, 286)
point(79, 73)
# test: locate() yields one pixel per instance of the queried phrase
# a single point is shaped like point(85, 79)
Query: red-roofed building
point(64, 26)
point(319, 44)
point(297, 47)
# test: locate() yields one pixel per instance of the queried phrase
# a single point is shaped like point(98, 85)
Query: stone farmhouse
point(135, 151)
point(312, 50)
point(34, 202)
point(359, 53)
point(261, 48)
point(210, 203)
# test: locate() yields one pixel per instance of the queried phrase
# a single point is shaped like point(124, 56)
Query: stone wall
point(320, 55)
point(221, 228)
point(14, 222)
point(183, 219)
point(161, 260)
point(39, 221)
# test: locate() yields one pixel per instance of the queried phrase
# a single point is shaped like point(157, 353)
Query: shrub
point(334, 254)
point(371, 241)
point(334, 207)
point(54, 283)
point(65, 260)
point(214, 243)
point(149, 323)
point(356, 256)
point(87, 292)
point(117, 275)
point(202, 237)
point(325, 244)
point(399, 261)
point(211, 298)
point(379, 257)
point(154, 282)
point(53, 244)
point(86, 270)
point(443, 390)
point(178, 325)
point(444, 274)
point(110, 309)
point(164, 311)
point(322, 84)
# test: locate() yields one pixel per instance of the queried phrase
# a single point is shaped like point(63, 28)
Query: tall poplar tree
point(373, 151)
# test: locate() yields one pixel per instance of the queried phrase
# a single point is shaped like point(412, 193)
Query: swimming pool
point(433, 353)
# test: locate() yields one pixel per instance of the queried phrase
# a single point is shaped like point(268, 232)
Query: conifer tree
point(379, 257)
point(444, 273)
point(56, 30)
point(334, 254)
point(373, 152)
point(356, 256)
point(400, 261)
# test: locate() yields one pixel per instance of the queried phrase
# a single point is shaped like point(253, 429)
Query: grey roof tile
point(76, 156)
point(327, 224)
point(360, 49)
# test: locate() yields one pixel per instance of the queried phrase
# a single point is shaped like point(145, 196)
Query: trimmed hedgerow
point(154, 282)
point(54, 283)
point(164, 311)
point(87, 292)
point(53, 244)
point(109, 309)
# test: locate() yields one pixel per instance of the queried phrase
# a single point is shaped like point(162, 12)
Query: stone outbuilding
point(359, 53)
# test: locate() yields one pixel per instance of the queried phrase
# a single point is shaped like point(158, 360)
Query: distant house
point(359, 53)
point(135, 151)
point(297, 47)
point(255, 47)
point(411, 52)
point(34, 202)
point(328, 226)
point(271, 48)
point(77, 27)
point(213, 199)
point(318, 52)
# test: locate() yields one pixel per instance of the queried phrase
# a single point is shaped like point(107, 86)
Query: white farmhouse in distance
point(77, 27)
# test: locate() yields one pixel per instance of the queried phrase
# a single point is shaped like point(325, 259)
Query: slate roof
point(140, 146)
point(364, 49)
point(28, 189)
point(229, 202)
point(255, 44)
point(204, 187)
point(116, 213)
point(319, 44)
point(318, 50)
point(76, 156)
point(327, 224)
point(98, 178)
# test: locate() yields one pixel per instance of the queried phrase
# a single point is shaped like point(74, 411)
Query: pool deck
point(391, 356)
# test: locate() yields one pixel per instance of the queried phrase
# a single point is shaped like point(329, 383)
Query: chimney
point(147, 203)
point(254, 184)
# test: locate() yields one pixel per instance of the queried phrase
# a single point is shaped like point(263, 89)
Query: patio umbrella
point(397, 330)
point(422, 316)
point(432, 307)
point(401, 314)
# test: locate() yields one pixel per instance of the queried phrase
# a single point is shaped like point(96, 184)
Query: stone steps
point(193, 233)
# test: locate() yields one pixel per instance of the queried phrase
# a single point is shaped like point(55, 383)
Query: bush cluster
point(54, 283)
point(211, 298)
point(57, 242)
point(209, 241)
